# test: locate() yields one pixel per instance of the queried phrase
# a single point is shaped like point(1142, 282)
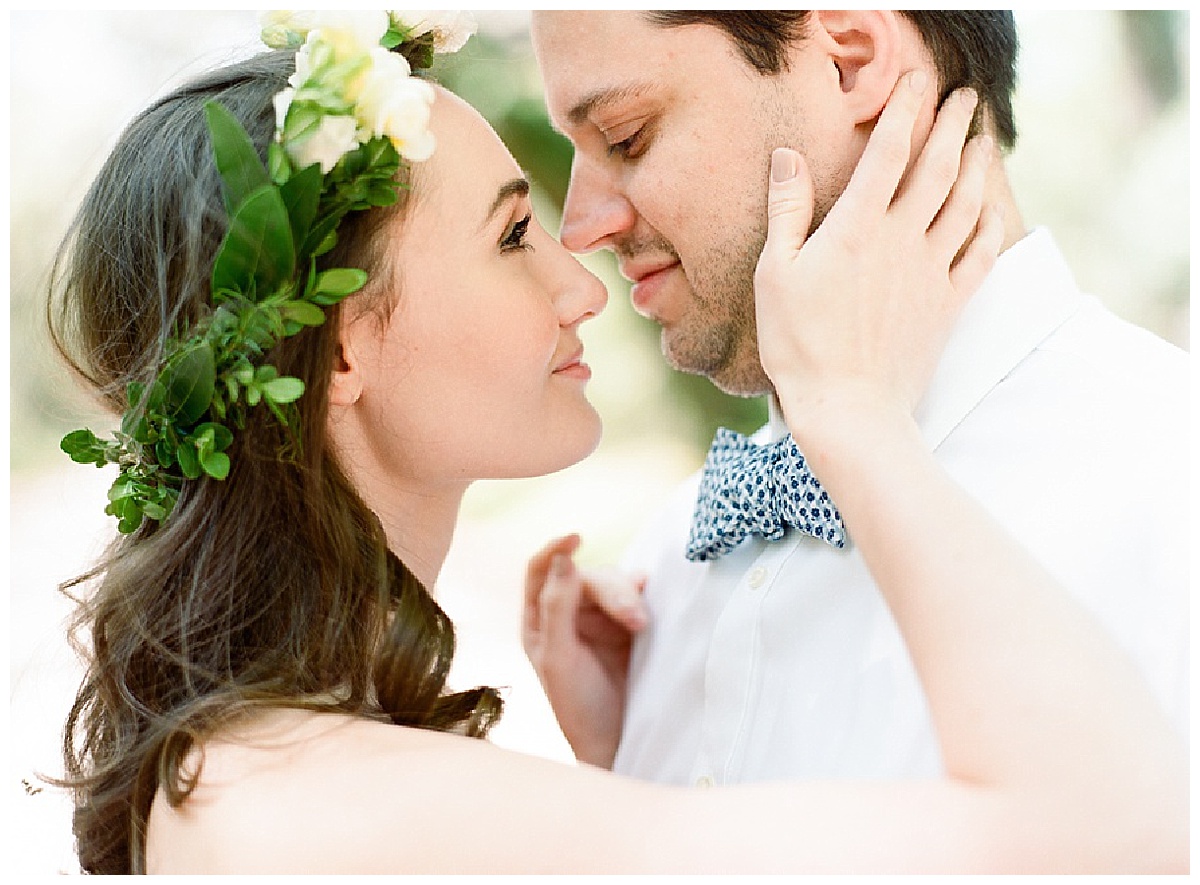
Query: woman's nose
point(581, 293)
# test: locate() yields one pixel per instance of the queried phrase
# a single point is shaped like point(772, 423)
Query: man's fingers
point(535, 576)
point(789, 203)
point(557, 606)
point(619, 596)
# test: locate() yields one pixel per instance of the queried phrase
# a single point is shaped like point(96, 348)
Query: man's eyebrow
point(602, 98)
point(517, 187)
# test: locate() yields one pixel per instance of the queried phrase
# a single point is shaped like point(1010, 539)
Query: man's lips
point(647, 283)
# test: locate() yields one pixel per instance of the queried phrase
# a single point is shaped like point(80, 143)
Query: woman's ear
point(866, 46)
point(346, 384)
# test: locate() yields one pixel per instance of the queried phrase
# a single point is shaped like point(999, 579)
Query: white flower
point(334, 137)
point(392, 103)
point(348, 30)
point(285, 28)
point(450, 29)
point(352, 32)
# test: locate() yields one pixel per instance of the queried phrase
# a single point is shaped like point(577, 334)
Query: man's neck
point(998, 193)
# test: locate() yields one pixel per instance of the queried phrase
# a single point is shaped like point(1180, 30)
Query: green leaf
point(302, 312)
point(258, 252)
point(122, 488)
point(242, 172)
point(392, 37)
point(215, 464)
point(133, 414)
point(154, 511)
point(157, 397)
point(189, 462)
point(221, 437)
point(335, 284)
point(84, 448)
point(303, 118)
point(128, 511)
point(382, 193)
point(243, 372)
point(283, 390)
point(190, 379)
point(279, 167)
point(164, 453)
point(301, 196)
point(322, 237)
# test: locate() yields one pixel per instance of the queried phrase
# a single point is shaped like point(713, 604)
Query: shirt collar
point(1029, 293)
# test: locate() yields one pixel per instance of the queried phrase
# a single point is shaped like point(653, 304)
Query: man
point(779, 658)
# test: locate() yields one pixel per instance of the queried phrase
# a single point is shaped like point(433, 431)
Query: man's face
point(673, 132)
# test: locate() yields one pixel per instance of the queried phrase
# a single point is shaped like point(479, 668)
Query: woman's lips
point(575, 367)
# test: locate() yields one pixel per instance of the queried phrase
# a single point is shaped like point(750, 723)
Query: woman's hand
point(578, 631)
point(858, 314)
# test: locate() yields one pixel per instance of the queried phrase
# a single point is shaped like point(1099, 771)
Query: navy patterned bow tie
point(762, 490)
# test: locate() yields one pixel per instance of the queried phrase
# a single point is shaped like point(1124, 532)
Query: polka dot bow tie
point(748, 489)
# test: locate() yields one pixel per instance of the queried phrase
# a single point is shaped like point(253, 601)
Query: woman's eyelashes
point(515, 237)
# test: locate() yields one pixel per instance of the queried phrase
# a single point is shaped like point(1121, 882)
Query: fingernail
point(917, 81)
point(783, 165)
point(969, 97)
point(559, 567)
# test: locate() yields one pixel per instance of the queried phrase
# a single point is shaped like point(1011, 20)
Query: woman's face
point(478, 372)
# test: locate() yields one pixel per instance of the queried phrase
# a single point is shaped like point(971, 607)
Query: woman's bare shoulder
point(296, 791)
point(293, 790)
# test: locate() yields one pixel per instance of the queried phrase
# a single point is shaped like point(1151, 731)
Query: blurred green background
point(1103, 160)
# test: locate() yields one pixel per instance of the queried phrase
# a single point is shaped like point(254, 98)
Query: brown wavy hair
point(272, 588)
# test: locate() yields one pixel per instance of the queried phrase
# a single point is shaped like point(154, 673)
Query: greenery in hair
point(351, 114)
point(265, 287)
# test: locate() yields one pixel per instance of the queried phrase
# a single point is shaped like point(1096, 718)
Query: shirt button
point(758, 577)
point(704, 781)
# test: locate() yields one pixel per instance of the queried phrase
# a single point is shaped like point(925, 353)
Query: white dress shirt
point(781, 659)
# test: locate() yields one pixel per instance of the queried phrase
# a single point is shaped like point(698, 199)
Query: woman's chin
point(562, 447)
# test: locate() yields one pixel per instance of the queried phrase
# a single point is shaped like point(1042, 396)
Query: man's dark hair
point(976, 48)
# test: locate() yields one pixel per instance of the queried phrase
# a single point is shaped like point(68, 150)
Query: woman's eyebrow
point(517, 187)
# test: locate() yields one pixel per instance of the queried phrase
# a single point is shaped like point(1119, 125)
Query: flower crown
point(351, 114)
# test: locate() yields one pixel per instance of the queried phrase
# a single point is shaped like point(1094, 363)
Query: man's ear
point(866, 48)
point(347, 381)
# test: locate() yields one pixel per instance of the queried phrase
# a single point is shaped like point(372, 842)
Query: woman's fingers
point(979, 256)
point(878, 174)
point(789, 204)
point(960, 214)
point(936, 170)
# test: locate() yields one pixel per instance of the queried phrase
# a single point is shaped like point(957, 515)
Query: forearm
point(1023, 685)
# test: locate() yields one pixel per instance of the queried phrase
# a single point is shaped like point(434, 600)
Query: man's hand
point(577, 631)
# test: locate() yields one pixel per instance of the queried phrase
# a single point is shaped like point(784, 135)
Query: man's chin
point(728, 376)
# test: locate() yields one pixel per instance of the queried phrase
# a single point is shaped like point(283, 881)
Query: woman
point(266, 691)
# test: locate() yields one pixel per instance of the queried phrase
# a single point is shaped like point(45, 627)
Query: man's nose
point(595, 211)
